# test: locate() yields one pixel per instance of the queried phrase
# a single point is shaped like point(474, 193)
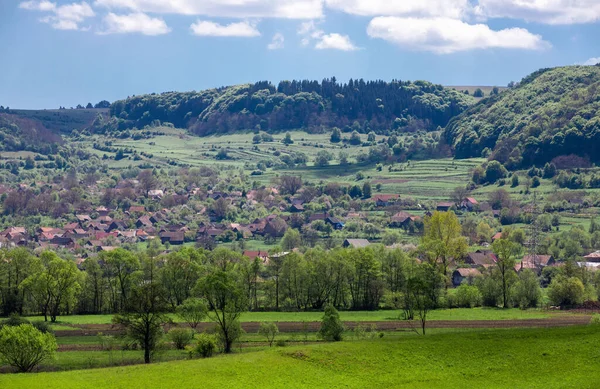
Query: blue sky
point(68, 53)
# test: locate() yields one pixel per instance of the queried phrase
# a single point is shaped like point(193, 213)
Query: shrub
point(332, 327)
point(566, 291)
point(43, 326)
point(527, 292)
point(491, 290)
point(595, 320)
point(280, 343)
point(14, 320)
point(205, 345)
point(468, 296)
point(24, 347)
point(269, 331)
point(181, 337)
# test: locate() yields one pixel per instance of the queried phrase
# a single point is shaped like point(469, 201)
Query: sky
point(64, 53)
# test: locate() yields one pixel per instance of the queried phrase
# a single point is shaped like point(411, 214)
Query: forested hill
point(551, 113)
point(309, 105)
point(19, 133)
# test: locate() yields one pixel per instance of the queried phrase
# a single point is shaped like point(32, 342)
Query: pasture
point(532, 358)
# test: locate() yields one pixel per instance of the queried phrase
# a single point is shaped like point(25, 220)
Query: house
point(61, 241)
point(297, 208)
point(593, 257)
point(465, 274)
point(117, 225)
point(317, 216)
point(156, 194)
point(102, 211)
point(444, 206)
point(469, 204)
point(174, 238)
point(497, 236)
point(263, 256)
point(481, 258)
point(137, 209)
point(384, 200)
point(402, 220)
point(335, 222)
point(83, 218)
point(356, 243)
point(143, 221)
point(534, 262)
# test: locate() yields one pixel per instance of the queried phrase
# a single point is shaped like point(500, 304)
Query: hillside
point(18, 133)
point(308, 105)
point(552, 112)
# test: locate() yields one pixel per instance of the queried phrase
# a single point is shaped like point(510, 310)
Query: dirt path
point(109, 329)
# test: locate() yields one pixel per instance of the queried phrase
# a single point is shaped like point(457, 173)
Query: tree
point(147, 181)
point(355, 138)
point(322, 159)
point(527, 292)
point(144, 315)
point(226, 298)
point(268, 330)
point(566, 292)
point(366, 190)
point(443, 239)
point(29, 163)
point(514, 181)
point(102, 104)
point(89, 106)
point(355, 192)
point(256, 139)
point(291, 239)
point(287, 140)
point(478, 93)
point(220, 208)
point(371, 137)
point(499, 199)
point(290, 184)
point(55, 287)
point(332, 327)
point(192, 311)
point(121, 270)
point(494, 171)
point(506, 251)
point(459, 194)
point(336, 135)
point(25, 347)
point(423, 290)
point(343, 158)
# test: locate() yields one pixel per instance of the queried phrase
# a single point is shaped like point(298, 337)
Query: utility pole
point(534, 233)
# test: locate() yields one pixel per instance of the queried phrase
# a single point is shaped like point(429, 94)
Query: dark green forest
point(371, 106)
point(551, 113)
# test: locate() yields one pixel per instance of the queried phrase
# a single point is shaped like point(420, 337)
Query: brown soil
point(109, 329)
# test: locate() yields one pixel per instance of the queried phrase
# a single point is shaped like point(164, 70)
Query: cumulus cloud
point(64, 17)
point(134, 23)
point(445, 36)
point(425, 8)
point(541, 11)
point(241, 29)
point(278, 42)
point(311, 33)
point(591, 62)
point(289, 9)
point(336, 42)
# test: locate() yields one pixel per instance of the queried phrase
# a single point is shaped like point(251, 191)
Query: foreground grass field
point(440, 314)
point(531, 358)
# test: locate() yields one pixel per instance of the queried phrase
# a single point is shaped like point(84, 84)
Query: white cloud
point(64, 17)
point(445, 36)
point(241, 29)
point(277, 42)
point(289, 9)
point(591, 62)
point(38, 5)
point(425, 8)
point(134, 23)
point(542, 11)
point(335, 41)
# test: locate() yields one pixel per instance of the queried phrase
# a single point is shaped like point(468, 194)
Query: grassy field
point(553, 358)
point(441, 314)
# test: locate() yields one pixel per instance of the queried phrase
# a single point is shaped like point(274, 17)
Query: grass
point(531, 358)
point(441, 314)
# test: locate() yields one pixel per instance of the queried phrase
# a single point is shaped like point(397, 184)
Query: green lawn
point(442, 314)
point(527, 358)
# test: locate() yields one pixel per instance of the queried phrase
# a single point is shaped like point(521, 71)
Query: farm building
point(356, 243)
point(466, 274)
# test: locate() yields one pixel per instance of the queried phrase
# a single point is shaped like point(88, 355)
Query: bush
point(491, 290)
point(280, 343)
point(566, 292)
point(24, 347)
point(205, 345)
point(269, 331)
point(467, 296)
point(527, 292)
point(181, 337)
point(595, 320)
point(14, 320)
point(43, 327)
point(332, 327)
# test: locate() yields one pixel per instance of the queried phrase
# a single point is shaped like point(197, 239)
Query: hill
point(308, 105)
point(18, 133)
point(485, 359)
point(61, 121)
point(551, 113)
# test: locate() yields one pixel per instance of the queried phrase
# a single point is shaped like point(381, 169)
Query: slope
point(553, 112)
